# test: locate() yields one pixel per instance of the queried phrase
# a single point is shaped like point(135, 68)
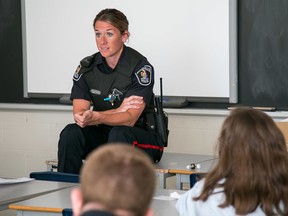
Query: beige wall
point(27, 139)
point(29, 134)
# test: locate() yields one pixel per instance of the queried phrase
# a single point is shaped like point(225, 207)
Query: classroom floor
point(171, 182)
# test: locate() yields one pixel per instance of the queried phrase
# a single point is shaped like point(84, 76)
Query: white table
point(171, 164)
point(10, 193)
point(174, 164)
point(52, 204)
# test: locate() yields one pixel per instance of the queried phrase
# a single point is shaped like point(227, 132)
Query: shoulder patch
point(144, 75)
point(77, 74)
point(78, 68)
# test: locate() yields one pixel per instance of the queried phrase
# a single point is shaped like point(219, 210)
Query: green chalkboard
point(11, 64)
point(263, 53)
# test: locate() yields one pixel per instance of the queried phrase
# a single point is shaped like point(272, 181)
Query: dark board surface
point(11, 64)
point(263, 53)
point(262, 66)
point(10, 51)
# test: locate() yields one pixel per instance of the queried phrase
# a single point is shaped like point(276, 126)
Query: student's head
point(253, 160)
point(250, 142)
point(117, 178)
point(111, 32)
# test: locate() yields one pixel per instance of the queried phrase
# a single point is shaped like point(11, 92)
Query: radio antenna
point(161, 118)
point(161, 92)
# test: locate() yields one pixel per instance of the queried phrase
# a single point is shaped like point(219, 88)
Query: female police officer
point(119, 82)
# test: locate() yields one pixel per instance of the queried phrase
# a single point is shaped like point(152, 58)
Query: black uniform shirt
point(142, 79)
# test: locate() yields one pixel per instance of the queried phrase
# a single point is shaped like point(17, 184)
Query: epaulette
point(87, 61)
point(85, 64)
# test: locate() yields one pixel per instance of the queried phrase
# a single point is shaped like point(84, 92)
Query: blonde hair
point(253, 160)
point(118, 176)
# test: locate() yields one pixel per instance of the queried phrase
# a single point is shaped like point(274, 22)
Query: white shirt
point(188, 207)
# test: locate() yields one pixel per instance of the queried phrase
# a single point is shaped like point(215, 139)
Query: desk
point(171, 164)
point(10, 193)
point(174, 164)
point(52, 204)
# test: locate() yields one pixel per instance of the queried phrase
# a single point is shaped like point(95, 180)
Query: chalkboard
point(11, 65)
point(263, 53)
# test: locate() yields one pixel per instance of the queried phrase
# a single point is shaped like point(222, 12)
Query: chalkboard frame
point(210, 82)
point(11, 82)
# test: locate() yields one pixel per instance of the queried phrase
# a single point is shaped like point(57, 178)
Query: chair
point(194, 178)
point(55, 176)
point(283, 126)
point(67, 212)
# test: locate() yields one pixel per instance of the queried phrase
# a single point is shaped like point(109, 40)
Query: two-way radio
point(161, 118)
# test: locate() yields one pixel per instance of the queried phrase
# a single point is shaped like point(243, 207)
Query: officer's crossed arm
point(127, 118)
point(127, 114)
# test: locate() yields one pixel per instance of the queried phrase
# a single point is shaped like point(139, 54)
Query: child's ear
point(77, 201)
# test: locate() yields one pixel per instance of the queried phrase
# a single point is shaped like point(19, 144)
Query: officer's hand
point(132, 102)
point(83, 119)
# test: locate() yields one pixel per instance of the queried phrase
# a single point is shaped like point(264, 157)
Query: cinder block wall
point(29, 136)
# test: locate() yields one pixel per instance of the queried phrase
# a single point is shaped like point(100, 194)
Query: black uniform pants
point(76, 143)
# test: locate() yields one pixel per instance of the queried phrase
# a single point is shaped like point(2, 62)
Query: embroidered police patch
point(77, 75)
point(144, 75)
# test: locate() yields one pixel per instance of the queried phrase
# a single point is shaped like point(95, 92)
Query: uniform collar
point(123, 60)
